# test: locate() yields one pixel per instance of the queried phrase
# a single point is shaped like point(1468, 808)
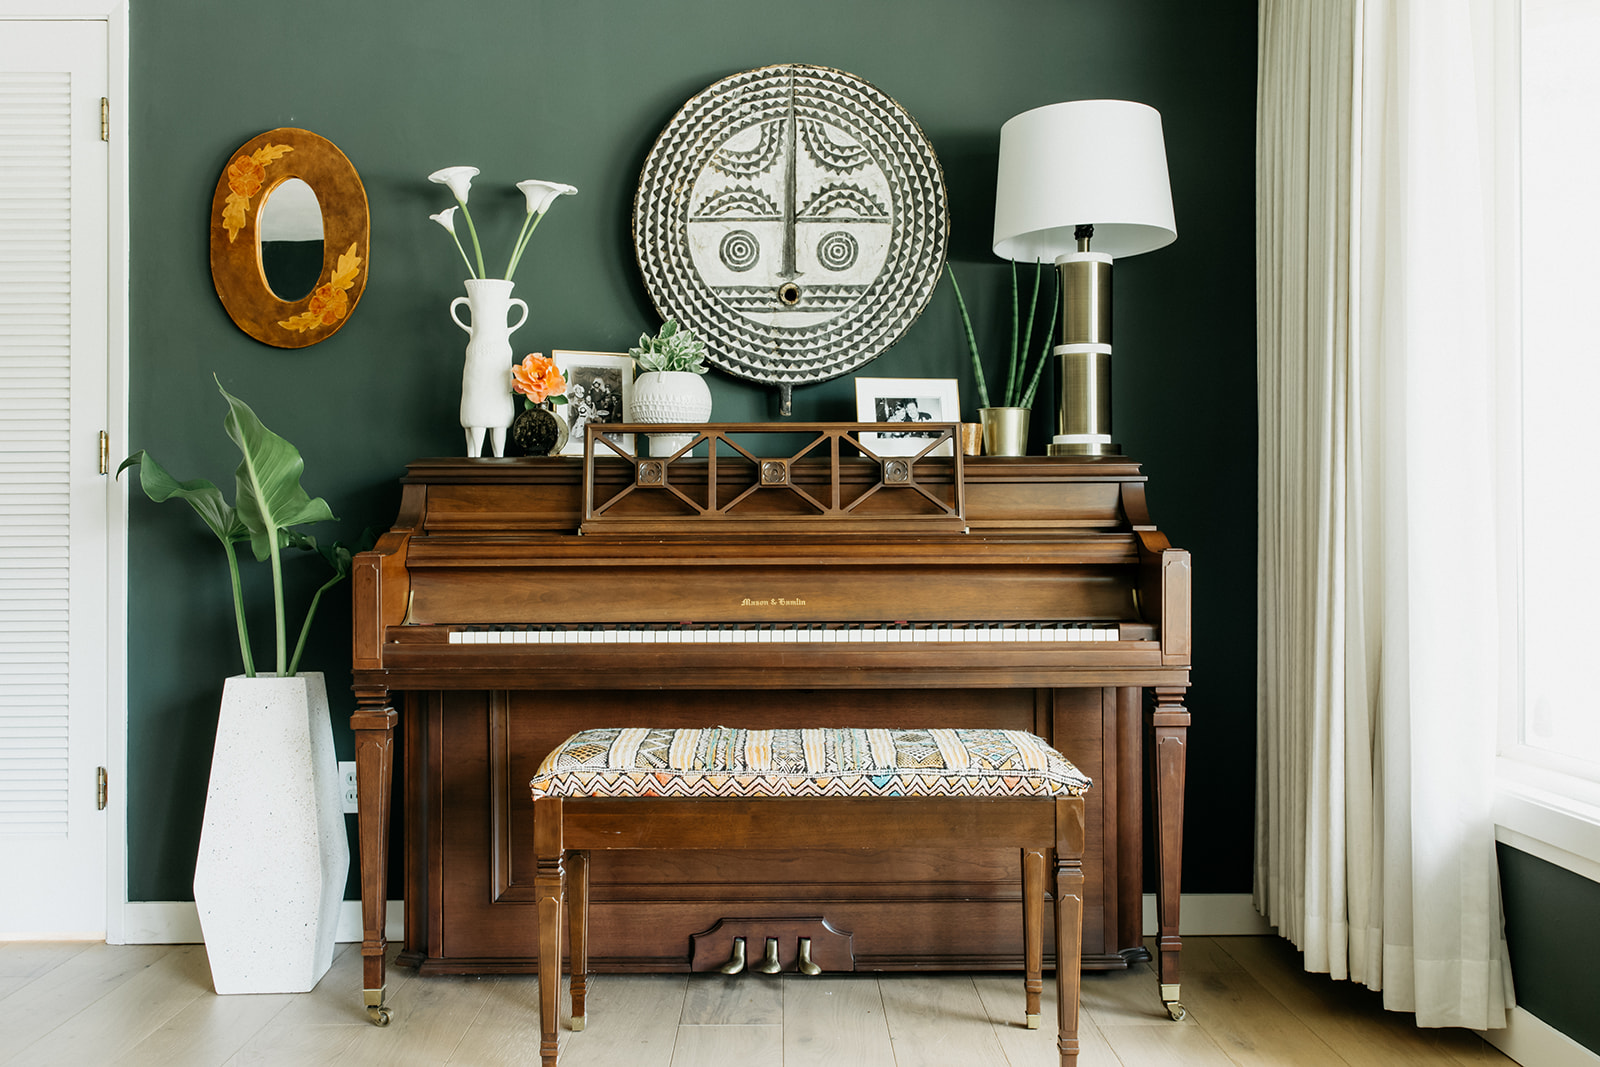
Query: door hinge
point(100, 789)
point(105, 119)
point(105, 452)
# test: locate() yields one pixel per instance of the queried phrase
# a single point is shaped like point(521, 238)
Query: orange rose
point(538, 378)
point(329, 303)
point(245, 176)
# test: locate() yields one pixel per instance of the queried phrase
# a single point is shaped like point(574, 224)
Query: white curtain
point(1386, 636)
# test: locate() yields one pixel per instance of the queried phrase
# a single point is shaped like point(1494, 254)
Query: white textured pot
point(270, 876)
point(667, 396)
point(486, 377)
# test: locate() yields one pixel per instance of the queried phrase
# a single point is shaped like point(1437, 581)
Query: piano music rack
point(841, 478)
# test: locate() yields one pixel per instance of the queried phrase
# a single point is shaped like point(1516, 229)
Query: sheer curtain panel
point(1387, 638)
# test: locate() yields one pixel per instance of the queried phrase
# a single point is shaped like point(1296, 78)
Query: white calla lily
point(542, 194)
point(447, 219)
point(459, 179)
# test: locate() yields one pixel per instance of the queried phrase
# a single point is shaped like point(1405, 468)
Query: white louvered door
point(53, 498)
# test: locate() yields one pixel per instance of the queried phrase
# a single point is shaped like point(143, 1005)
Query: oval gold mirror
point(289, 231)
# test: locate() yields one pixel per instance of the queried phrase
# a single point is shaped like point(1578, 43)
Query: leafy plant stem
point(1009, 397)
point(972, 341)
point(1044, 350)
point(477, 249)
point(280, 622)
point(305, 627)
point(1019, 368)
point(238, 610)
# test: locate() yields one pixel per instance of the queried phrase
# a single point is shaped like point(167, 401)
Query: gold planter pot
point(1005, 431)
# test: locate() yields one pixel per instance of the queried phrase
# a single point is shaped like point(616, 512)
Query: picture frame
point(599, 389)
point(906, 400)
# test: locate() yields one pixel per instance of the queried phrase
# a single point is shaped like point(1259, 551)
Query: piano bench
point(724, 788)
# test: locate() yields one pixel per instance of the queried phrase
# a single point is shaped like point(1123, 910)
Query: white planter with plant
point(486, 405)
point(671, 387)
point(274, 852)
point(1005, 425)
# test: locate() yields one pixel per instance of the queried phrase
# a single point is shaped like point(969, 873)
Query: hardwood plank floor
point(152, 1006)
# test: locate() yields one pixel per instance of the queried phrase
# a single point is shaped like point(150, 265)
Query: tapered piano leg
point(373, 726)
point(1169, 731)
point(549, 889)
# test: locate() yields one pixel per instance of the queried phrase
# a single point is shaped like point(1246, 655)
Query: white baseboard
point(1211, 915)
point(176, 922)
point(1533, 1042)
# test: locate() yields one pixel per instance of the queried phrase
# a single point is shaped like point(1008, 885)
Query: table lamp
point(1071, 175)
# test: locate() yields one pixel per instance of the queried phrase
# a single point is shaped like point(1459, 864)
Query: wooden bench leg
point(578, 939)
point(549, 885)
point(1032, 933)
point(1069, 955)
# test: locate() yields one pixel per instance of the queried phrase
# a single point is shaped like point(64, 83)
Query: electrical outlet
point(347, 786)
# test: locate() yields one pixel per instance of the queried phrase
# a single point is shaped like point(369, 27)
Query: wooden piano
point(517, 601)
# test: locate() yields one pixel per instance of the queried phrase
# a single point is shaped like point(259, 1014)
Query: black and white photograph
point(599, 388)
point(908, 400)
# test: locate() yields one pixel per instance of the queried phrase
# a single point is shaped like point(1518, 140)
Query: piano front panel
point(907, 907)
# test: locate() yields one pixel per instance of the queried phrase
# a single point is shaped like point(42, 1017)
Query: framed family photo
point(599, 389)
point(908, 400)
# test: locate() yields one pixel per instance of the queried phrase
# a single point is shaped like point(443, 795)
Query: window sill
point(1551, 816)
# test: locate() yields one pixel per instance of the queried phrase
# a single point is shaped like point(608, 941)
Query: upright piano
point(517, 601)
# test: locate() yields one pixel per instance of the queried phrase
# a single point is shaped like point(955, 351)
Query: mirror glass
point(291, 240)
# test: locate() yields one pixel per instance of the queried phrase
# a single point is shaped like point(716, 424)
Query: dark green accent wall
point(1553, 939)
point(577, 93)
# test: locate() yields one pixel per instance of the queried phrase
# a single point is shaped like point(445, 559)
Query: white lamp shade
point(1095, 162)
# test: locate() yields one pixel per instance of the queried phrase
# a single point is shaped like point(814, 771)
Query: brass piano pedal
point(769, 961)
point(804, 964)
point(735, 964)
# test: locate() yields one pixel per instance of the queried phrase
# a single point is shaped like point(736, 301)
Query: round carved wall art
point(795, 217)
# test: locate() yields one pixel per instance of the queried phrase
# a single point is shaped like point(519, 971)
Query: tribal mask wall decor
point(795, 217)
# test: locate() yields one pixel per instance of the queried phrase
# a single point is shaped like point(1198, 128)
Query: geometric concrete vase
point(270, 875)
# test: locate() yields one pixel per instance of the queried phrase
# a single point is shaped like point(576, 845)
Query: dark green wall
point(577, 93)
point(1551, 932)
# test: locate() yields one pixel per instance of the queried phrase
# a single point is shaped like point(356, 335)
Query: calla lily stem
point(476, 248)
point(529, 224)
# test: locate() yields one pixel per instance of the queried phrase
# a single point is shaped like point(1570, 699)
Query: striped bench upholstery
point(721, 761)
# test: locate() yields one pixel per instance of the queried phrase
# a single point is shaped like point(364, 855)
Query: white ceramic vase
point(270, 875)
point(486, 379)
point(669, 396)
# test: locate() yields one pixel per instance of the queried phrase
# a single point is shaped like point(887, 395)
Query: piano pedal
point(804, 964)
point(735, 964)
point(769, 961)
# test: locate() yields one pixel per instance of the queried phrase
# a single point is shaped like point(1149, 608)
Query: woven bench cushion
point(721, 761)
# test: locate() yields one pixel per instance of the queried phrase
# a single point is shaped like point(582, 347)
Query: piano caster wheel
point(379, 1015)
point(735, 964)
point(1177, 1011)
point(804, 964)
point(1169, 1000)
point(769, 962)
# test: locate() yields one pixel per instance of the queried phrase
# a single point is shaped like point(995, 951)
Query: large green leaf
point(204, 497)
point(268, 496)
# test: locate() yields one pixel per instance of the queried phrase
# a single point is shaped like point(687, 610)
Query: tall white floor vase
point(273, 859)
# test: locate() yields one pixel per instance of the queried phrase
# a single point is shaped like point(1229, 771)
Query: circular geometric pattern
point(795, 217)
point(838, 251)
point(739, 250)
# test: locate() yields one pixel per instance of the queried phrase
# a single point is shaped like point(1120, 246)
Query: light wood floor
point(1249, 1003)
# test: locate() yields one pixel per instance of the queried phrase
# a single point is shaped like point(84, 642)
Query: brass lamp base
point(1083, 357)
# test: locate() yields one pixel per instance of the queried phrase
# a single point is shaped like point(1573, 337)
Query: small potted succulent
point(670, 387)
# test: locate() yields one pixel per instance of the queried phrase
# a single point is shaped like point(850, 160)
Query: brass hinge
point(105, 452)
point(100, 789)
point(105, 119)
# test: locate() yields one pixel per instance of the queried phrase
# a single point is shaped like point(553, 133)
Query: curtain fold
point(1382, 623)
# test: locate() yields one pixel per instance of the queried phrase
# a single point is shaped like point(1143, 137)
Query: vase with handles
point(486, 401)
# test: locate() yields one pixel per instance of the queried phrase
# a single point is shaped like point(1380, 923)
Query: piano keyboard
point(790, 633)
